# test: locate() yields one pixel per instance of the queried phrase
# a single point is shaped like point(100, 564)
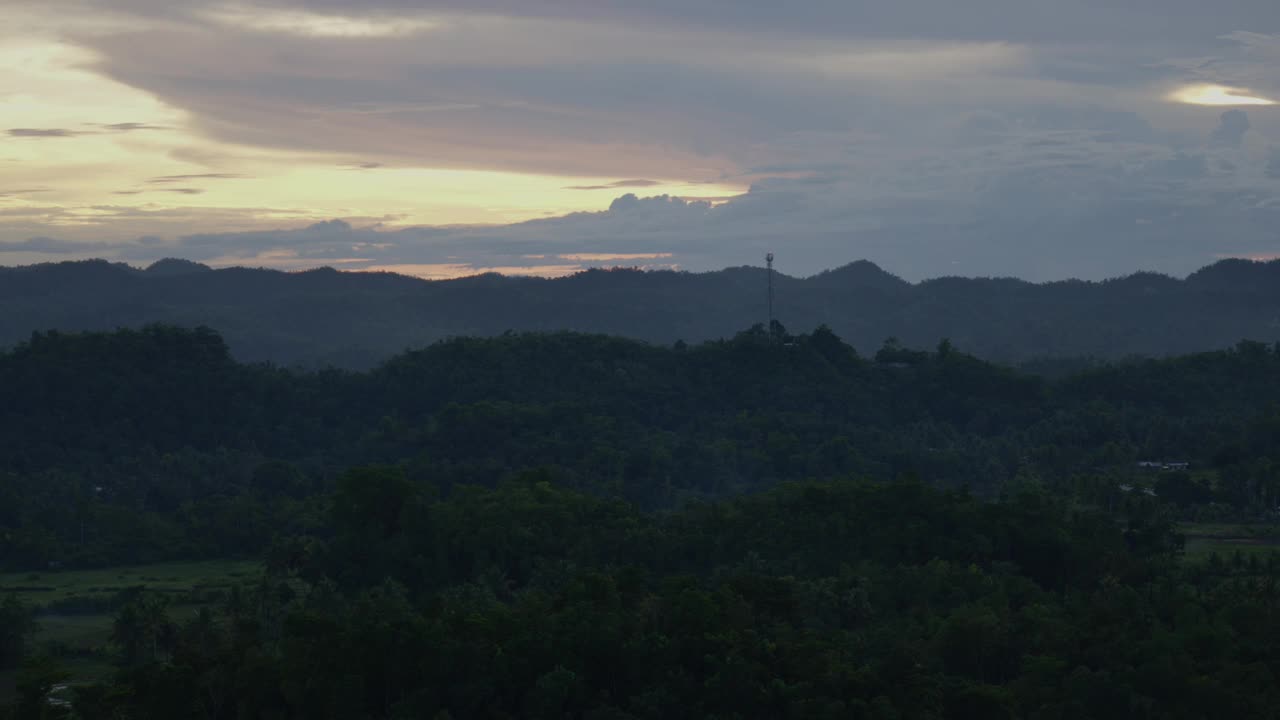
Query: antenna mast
point(768, 259)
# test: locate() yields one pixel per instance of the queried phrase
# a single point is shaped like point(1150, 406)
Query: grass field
point(1203, 539)
point(82, 639)
point(41, 588)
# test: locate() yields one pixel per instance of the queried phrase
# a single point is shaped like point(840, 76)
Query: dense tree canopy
point(148, 444)
point(842, 599)
point(567, 525)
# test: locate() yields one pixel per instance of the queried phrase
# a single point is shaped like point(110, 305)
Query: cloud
point(1181, 166)
point(175, 191)
point(1180, 20)
point(712, 199)
point(1240, 70)
point(199, 176)
point(612, 257)
point(42, 132)
point(1217, 95)
point(1231, 128)
point(616, 185)
point(59, 247)
point(132, 127)
point(312, 24)
point(671, 105)
point(1052, 210)
point(53, 246)
point(935, 137)
point(67, 133)
point(446, 271)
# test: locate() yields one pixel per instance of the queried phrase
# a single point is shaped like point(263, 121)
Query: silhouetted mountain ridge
point(860, 273)
point(325, 316)
point(176, 266)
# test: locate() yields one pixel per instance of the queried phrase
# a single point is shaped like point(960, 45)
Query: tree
point(1180, 488)
point(16, 625)
point(369, 512)
point(143, 631)
point(39, 676)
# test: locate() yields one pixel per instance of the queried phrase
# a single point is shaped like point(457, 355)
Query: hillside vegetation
point(357, 320)
point(570, 525)
point(140, 446)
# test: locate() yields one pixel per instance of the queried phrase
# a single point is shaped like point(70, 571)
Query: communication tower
point(768, 259)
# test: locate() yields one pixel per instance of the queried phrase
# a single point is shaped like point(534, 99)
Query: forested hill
point(579, 526)
point(138, 445)
point(356, 320)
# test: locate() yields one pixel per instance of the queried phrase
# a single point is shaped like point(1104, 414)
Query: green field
point(82, 639)
point(41, 588)
point(1204, 539)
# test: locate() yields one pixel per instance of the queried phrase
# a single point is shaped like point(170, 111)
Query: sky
point(1043, 139)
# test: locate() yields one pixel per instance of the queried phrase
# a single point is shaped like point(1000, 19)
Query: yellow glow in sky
point(85, 158)
point(448, 271)
point(1217, 95)
point(309, 24)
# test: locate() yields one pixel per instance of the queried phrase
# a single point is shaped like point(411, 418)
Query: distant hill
point(356, 320)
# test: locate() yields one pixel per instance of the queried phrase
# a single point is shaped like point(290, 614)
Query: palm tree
point(143, 630)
